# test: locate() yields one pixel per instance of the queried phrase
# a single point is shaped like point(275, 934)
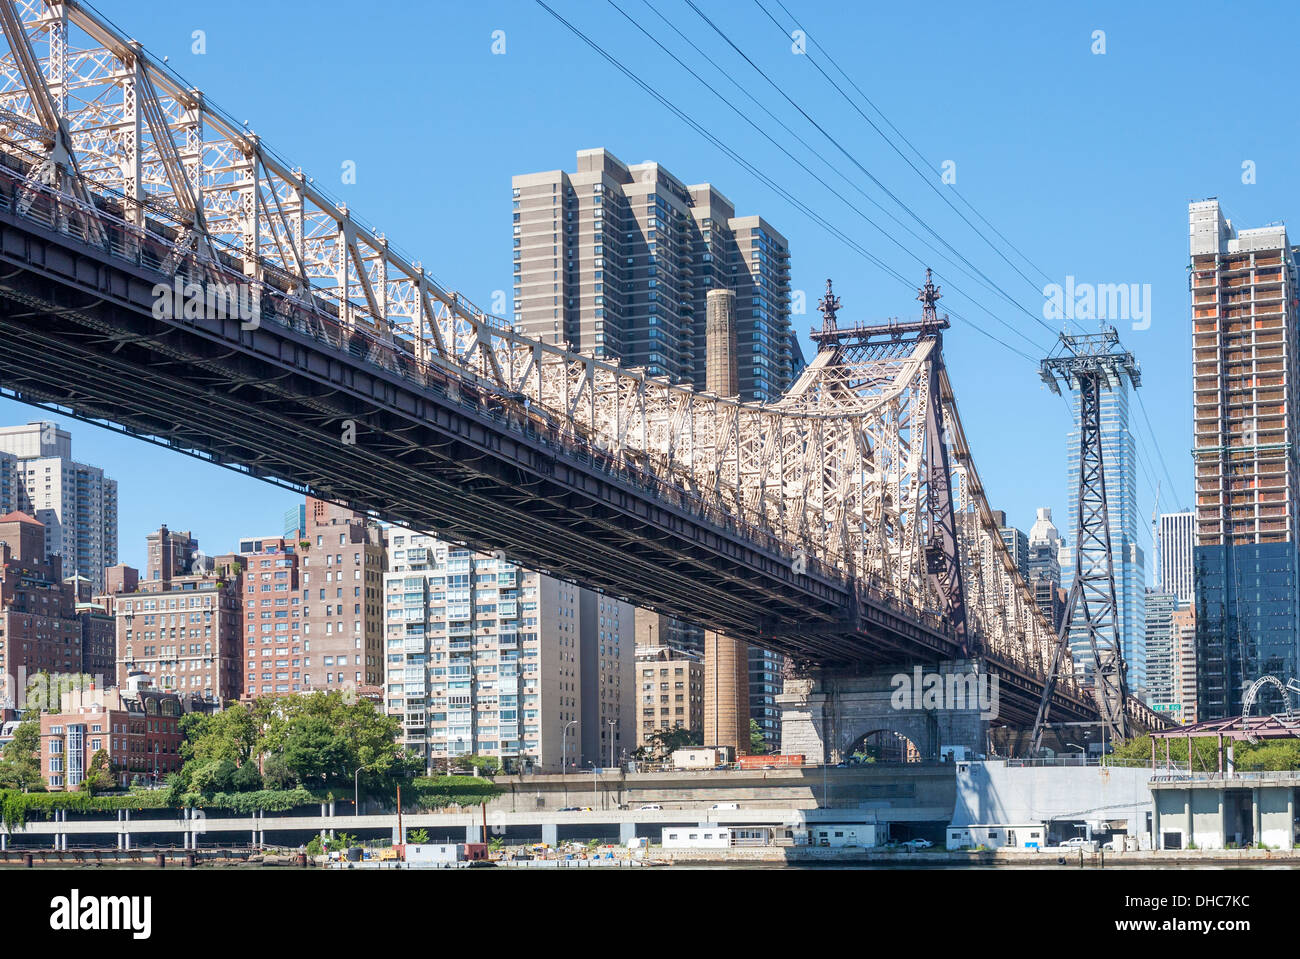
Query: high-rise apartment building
point(1177, 532)
point(1184, 620)
point(1015, 540)
point(608, 679)
point(1245, 412)
point(75, 502)
point(9, 484)
point(670, 691)
point(656, 629)
point(489, 659)
point(1162, 655)
point(623, 262)
point(276, 656)
point(184, 629)
point(617, 261)
point(341, 561)
point(1119, 459)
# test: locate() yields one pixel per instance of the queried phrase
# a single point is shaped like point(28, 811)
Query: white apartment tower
point(76, 502)
point(485, 658)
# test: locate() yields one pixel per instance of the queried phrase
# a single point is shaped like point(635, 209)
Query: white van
point(725, 805)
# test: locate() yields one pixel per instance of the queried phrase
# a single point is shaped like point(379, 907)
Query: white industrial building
point(1003, 804)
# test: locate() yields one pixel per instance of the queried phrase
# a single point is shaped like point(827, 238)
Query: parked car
point(652, 807)
point(918, 844)
point(1077, 842)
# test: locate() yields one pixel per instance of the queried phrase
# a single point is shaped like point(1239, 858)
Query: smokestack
point(726, 661)
point(722, 375)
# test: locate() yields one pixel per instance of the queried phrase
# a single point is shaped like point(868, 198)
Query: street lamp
point(1081, 749)
point(611, 742)
point(564, 758)
point(356, 781)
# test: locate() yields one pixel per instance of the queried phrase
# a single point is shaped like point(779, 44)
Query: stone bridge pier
point(825, 714)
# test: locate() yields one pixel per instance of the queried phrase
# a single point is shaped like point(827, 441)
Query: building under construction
point(1243, 287)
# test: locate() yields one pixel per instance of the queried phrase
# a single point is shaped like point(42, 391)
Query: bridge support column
point(917, 711)
point(550, 833)
point(626, 832)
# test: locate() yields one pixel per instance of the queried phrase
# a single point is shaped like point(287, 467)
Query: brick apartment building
point(39, 627)
point(341, 562)
point(139, 729)
point(184, 627)
point(274, 651)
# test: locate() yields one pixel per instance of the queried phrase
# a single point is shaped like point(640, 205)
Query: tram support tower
point(1089, 364)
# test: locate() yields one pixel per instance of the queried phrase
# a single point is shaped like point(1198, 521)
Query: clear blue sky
point(1085, 162)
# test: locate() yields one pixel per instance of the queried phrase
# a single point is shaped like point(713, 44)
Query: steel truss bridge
point(844, 526)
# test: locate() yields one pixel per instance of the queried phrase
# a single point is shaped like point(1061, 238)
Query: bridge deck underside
point(77, 332)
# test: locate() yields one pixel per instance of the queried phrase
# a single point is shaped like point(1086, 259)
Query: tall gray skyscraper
point(617, 261)
point(76, 502)
point(1177, 533)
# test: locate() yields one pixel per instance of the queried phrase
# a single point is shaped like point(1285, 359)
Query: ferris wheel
point(1248, 701)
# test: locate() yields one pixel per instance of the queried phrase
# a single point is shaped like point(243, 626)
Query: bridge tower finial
point(829, 306)
point(929, 295)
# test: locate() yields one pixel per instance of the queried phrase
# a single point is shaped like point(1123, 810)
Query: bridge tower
point(832, 711)
point(1090, 364)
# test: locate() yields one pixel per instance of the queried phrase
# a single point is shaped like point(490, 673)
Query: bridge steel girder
point(79, 334)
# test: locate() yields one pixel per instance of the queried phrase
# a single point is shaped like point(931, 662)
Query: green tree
point(246, 778)
point(231, 734)
point(323, 738)
point(418, 836)
point(210, 776)
point(21, 768)
point(487, 765)
point(99, 776)
point(757, 742)
point(662, 743)
point(276, 773)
